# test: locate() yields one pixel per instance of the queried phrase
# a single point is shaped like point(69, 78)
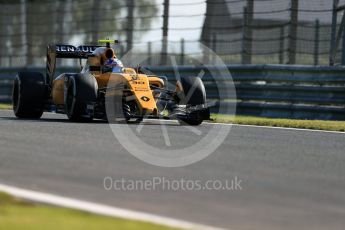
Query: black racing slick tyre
point(28, 95)
point(194, 91)
point(194, 94)
point(80, 97)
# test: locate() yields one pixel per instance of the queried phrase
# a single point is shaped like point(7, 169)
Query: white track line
point(148, 121)
point(101, 209)
point(275, 127)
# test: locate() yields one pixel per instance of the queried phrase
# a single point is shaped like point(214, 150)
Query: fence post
point(182, 51)
point(29, 38)
point(247, 32)
point(214, 48)
point(122, 50)
point(333, 32)
point(165, 32)
point(293, 32)
point(95, 20)
point(316, 42)
point(149, 53)
point(23, 18)
point(281, 46)
point(244, 52)
point(343, 46)
point(129, 29)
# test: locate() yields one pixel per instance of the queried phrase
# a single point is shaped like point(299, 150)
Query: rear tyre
point(80, 96)
point(28, 95)
point(194, 94)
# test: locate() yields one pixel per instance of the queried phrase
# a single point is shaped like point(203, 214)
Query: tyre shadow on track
point(51, 120)
point(96, 121)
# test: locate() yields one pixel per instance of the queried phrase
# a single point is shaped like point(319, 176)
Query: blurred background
point(239, 31)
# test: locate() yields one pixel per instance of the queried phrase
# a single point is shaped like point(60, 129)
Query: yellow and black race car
point(104, 89)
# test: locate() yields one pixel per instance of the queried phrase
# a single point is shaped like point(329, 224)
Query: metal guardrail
point(262, 90)
point(302, 92)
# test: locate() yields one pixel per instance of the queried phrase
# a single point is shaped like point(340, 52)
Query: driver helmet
point(112, 60)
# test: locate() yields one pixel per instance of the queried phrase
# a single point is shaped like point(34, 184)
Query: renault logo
point(144, 98)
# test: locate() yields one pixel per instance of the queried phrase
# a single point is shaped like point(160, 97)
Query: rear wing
point(65, 51)
point(69, 51)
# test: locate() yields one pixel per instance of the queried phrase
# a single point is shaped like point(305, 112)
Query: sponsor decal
point(144, 98)
point(86, 49)
point(65, 48)
point(138, 83)
point(141, 89)
point(70, 48)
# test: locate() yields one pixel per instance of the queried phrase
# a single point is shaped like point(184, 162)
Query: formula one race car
point(84, 96)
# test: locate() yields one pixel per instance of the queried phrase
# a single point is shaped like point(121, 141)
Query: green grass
point(16, 214)
point(277, 122)
point(5, 106)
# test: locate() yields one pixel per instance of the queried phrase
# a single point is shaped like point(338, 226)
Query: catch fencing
point(239, 31)
point(262, 90)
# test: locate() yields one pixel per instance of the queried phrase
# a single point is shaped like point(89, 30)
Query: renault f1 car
point(90, 93)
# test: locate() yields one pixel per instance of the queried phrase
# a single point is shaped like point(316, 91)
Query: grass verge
point(16, 214)
point(5, 106)
point(277, 122)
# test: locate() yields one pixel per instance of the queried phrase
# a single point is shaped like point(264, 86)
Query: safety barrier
point(303, 92)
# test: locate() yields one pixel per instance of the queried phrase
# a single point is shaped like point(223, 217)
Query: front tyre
point(194, 94)
point(28, 95)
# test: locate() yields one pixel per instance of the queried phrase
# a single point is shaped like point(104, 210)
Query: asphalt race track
point(291, 179)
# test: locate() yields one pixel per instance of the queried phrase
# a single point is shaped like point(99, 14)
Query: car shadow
point(95, 121)
point(49, 120)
